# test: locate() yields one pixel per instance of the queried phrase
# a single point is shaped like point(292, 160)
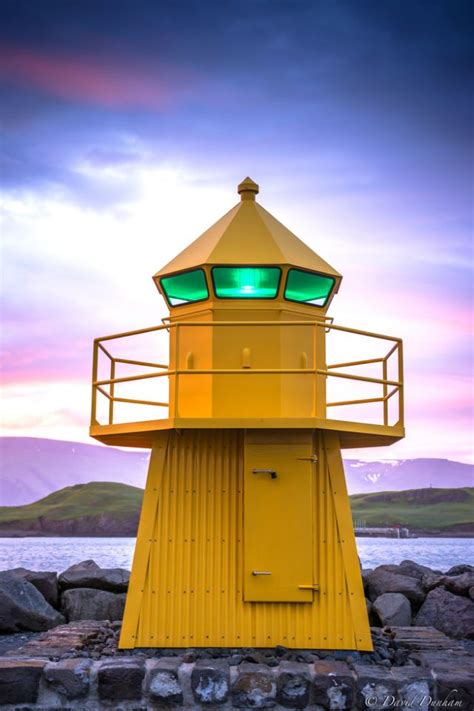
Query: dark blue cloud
point(380, 88)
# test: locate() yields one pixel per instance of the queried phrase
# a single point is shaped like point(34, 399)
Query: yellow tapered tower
point(245, 535)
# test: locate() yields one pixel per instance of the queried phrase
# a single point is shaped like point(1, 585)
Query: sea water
point(59, 553)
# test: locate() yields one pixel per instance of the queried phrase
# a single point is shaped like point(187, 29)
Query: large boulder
point(84, 565)
point(457, 584)
point(460, 584)
point(408, 567)
point(432, 580)
point(382, 581)
point(393, 609)
point(449, 613)
point(92, 604)
point(460, 569)
point(22, 607)
point(44, 581)
point(415, 570)
point(89, 575)
point(371, 614)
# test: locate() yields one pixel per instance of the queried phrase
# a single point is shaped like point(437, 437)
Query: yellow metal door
point(278, 523)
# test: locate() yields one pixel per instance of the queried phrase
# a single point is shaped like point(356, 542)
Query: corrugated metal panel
point(193, 591)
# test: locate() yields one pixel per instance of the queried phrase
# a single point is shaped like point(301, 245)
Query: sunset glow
point(127, 133)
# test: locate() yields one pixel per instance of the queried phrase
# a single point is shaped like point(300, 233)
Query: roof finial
point(247, 189)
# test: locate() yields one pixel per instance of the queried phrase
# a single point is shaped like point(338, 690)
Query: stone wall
point(131, 683)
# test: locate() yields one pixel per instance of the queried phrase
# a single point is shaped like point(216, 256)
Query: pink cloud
point(88, 80)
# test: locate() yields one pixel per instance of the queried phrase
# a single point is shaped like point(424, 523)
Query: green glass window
point(246, 282)
point(308, 287)
point(185, 288)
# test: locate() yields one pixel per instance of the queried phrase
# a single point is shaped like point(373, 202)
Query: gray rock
point(430, 581)
point(120, 679)
point(91, 604)
point(449, 613)
point(455, 682)
point(69, 677)
point(254, 688)
point(374, 685)
point(83, 565)
point(19, 680)
point(383, 581)
point(372, 615)
point(163, 684)
point(457, 584)
point(460, 569)
point(210, 682)
point(365, 574)
point(460, 584)
point(415, 687)
point(22, 607)
point(45, 582)
point(333, 685)
point(89, 575)
point(293, 685)
point(407, 567)
point(414, 570)
point(471, 593)
point(393, 609)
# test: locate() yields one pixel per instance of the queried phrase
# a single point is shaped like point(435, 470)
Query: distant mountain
point(400, 474)
point(111, 509)
point(31, 468)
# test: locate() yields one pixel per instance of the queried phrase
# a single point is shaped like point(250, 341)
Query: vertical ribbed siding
point(193, 594)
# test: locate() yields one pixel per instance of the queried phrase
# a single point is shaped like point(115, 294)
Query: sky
point(127, 125)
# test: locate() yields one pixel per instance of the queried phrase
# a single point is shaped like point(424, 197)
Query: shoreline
point(47, 534)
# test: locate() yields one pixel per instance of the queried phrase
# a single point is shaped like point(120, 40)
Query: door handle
point(272, 472)
point(260, 572)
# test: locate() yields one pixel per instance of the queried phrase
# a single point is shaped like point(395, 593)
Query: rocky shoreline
point(403, 595)
point(59, 637)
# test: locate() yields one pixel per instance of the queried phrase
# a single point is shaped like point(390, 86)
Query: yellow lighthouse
point(245, 535)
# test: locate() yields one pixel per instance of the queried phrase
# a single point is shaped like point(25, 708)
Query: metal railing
point(332, 370)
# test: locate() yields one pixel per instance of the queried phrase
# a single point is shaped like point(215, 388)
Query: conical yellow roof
point(248, 234)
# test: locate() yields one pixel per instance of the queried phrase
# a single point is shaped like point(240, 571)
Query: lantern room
point(246, 268)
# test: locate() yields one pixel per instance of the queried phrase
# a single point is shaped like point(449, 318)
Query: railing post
point(320, 364)
point(385, 391)
point(95, 359)
point(401, 398)
point(112, 392)
point(315, 371)
point(177, 366)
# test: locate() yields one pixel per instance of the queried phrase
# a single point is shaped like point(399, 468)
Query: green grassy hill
point(95, 509)
point(109, 509)
point(435, 511)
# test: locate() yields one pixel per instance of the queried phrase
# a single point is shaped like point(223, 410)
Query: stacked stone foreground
point(423, 621)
